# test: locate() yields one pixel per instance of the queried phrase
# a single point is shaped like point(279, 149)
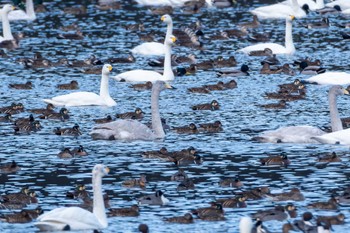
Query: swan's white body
point(346, 12)
point(341, 137)
point(330, 78)
point(6, 29)
point(29, 14)
point(319, 4)
point(245, 225)
point(155, 48)
point(132, 129)
point(75, 218)
point(279, 11)
point(148, 75)
point(174, 3)
point(344, 4)
point(306, 133)
point(87, 98)
point(276, 48)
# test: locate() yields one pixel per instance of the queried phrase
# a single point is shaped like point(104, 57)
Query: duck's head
point(138, 111)
point(193, 126)
point(214, 103)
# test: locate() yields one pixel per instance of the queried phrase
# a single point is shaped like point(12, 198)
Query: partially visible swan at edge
point(87, 98)
point(341, 137)
point(155, 48)
point(306, 133)
point(150, 75)
point(329, 78)
point(6, 29)
point(133, 129)
point(281, 10)
point(76, 218)
point(29, 14)
point(276, 48)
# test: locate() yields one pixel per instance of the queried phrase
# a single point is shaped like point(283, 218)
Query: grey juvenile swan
point(133, 129)
point(305, 133)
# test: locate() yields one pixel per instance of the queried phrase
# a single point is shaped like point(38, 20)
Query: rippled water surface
point(226, 154)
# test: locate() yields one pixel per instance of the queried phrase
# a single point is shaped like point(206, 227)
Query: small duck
point(23, 86)
point(107, 119)
point(324, 23)
point(72, 85)
point(143, 228)
point(331, 204)
point(141, 182)
point(230, 182)
point(44, 111)
point(205, 65)
point(266, 52)
point(66, 153)
point(213, 105)
point(79, 192)
point(309, 62)
point(256, 193)
point(230, 84)
point(62, 115)
point(279, 105)
point(253, 24)
point(25, 196)
point(137, 114)
point(214, 210)
point(27, 128)
point(191, 128)
point(79, 151)
point(279, 213)
point(346, 120)
point(74, 131)
point(332, 219)
point(236, 202)
point(280, 160)
point(202, 90)
point(215, 87)
point(14, 108)
point(162, 10)
point(154, 199)
point(271, 60)
point(188, 159)
point(237, 33)
point(24, 121)
point(142, 86)
point(180, 175)
point(162, 153)
point(108, 5)
point(128, 59)
point(133, 211)
point(191, 70)
point(20, 217)
point(330, 10)
point(293, 195)
point(9, 167)
point(333, 157)
point(243, 71)
point(221, 62)
point(256, 37)
point(310, 70)
point(304, 224)
point(214, 127)
point(267, 69)
point(6, 118)
point(191, 151)
point(185, 185)
point(186, 219)
point(290, 86)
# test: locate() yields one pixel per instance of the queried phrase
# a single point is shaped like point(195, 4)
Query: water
point(225, 154)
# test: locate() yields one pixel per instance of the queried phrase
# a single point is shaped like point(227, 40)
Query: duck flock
point(175, 115)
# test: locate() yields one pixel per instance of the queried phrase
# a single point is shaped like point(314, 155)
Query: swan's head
point(161, 85)
point(7, 8)
point(107, 68)
point(166, 19)
point(338, 90)
point(171, 40)
point(100, 169)
point(290, 18)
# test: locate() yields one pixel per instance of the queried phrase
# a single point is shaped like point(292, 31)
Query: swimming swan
point(330, 78)
point(341, 137)
point(29, 14)
point(76, 218)
point(149, 75)
point(87, 98)
point(133, 129)
point(6, 29)
point(276, 48)
point(281, 10)
point(305, 133)
point(319, 4)
point(155, 48)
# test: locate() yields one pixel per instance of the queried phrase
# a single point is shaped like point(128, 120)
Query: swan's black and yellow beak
point(173, 39)
point(292, 17)
point(107, 170)
point(162, 18)
point(168, 86)
point(110, 68)
point(346, 92)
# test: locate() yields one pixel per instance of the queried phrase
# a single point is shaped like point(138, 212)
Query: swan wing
point(149, 48)
point(139, 76)
point(122, 130)
point(74, 217)
point(276, 48)
point(330, 78)
point(77, 99)
point(339, 137)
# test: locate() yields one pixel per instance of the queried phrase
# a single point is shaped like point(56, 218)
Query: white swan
point(305, 133)
point(330, 78)
point(6, 29)
point(75, 218)
point(276, 48)
point(87, 98)
point(133, 129)
point(155, 48)
point(149, 75)
point(344, 4)
point(281, 10)
point(319, 4)
point(341, 137)
point(29, 14)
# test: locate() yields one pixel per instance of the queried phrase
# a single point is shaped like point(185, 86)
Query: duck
point(280, 160)
point(162, 153)
point(155, 48)
point(142, 86)
point(187, 160)
point(236, 33)
point(185, 185)
point(133, 211)
point(256, 193)
point(14, 108)
point(25, 196)
point(332, 219)
point(24, 216)
point(331, 204)
point(323, 24)
point(66, 153)
point(180, 175)
point(213, 105)
point(62, 115)
point(6, 28)
point(202, 90)
point(289, 86)
point(148, 75)
point(231, 182)
point(49, 109)
point(271, 60)
point(267, 69)
point(108, 5)
point(141, 182)
point(156, 198)
point(161, 10)
point(133, 129)
point(143, 228)
point(264, 52)
point(293, 195)
point(106, 119)
point(251, 25)
point(9, 167)
point(221, 62)
point(24, 120)
point(235, 202)
point(72, 85)
point(79, 192)
point(243, 71)
point(230, 84)
point(329, 158)
point(281, 104)
point(23, 86)
point(214, 127)
point(311, 70)
point(279, 213)
point(27, 128)
point(306, 133)
point(75, 218)
point(128, 59)
point(87, 98)
point(79, 151)
point(281, 10)
point(214, 210)
point(186, 219)
point(137, 114)
point(329, 78)
point(215, 87)
point(6, 118)
point(78, 35)
point(74, 131)
point(191, 128)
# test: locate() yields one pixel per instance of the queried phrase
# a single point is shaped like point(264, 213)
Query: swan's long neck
point(335, 119)
point(30, 9)
point(169, 30)
point(99, 205)
point(104, 89)
point(6, 29)
point(289, 37)
point(168, 72)
point(156, 121)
